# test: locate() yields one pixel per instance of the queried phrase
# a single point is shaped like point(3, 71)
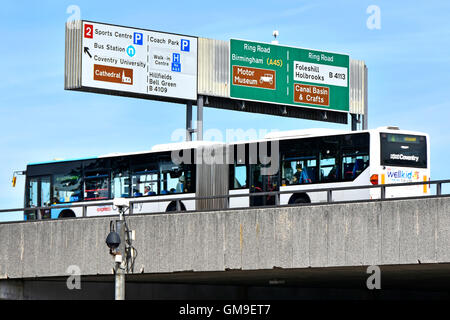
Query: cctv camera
point(113, 240)
point(121, 202)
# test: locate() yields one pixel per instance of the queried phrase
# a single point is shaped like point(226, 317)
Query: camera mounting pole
point(117, 242)
point(120, 259)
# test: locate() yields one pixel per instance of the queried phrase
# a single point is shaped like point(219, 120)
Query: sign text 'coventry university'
point(287, 75)
point(139, 61)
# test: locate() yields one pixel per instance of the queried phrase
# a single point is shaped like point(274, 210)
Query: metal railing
point(178, 200)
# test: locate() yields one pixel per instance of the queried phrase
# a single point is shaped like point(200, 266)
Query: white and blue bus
point(306, 160)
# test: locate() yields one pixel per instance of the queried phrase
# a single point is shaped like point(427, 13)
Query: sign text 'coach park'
point(287, 75)
point(139, 61)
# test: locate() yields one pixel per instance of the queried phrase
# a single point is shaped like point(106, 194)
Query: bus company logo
point(400, 175)
point(103, 209)
point(399, 156)
point(113, 74)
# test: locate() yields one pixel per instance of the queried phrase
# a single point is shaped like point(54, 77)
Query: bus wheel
point(297, 199)
point(67, 213)
point(173, 206)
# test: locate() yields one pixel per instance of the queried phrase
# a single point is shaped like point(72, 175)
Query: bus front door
point(262, 183)
point(38, 196)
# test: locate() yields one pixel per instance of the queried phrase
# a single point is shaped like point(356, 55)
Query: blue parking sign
point(138, 38)
point(185, 44)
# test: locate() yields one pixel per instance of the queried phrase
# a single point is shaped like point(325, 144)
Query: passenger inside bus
point(136, 193)
point(289, 173)
point(188, 186)
point(148, 191)
point(257, 180)
point(180, 184)
point(358, 167)
point(301, 176)
point(332, 175)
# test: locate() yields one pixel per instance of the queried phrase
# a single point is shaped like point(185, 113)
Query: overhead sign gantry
point(236, 75)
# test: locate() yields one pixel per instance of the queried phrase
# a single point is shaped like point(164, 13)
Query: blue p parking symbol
point(185, 44)
point(137, 38)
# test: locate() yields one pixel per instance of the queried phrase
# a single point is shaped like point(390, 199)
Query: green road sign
point(286, 75)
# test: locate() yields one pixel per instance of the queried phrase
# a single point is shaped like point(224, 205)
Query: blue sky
point(408, 61)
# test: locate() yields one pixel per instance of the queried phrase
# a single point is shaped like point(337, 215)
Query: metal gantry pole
point(354, 122)
point(189, 121)
point(200, 118)
point(366, 99)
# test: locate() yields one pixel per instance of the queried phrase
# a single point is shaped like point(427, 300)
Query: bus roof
point(301, 133)
point(183, 145)
point(60, 160)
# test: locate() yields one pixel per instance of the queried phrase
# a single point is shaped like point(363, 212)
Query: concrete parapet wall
point(320, 236)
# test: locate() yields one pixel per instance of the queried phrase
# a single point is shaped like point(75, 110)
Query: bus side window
point(328, 170)
point(176, 178)
point(67, 187)
point(240, 176)
point(145, 183)
point(348, 168)
point(96, 185)
point(355, 156)
point(33, 193)
point(354, 165)
point(287, 173)
point(120, 185)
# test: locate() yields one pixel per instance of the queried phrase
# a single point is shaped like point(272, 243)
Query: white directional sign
point(138, 61)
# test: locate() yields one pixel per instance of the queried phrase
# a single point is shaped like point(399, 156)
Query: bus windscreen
point(403, 150)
